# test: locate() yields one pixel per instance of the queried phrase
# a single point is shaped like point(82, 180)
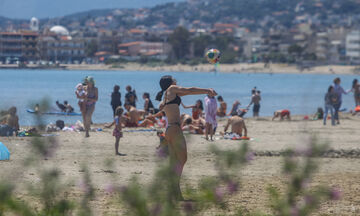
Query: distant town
point(299, 32)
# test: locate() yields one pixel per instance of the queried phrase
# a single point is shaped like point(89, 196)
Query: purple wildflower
point(219, 194)
point(188, 207)
point(309, 199)
point(232, 187)
point(156, 209)
point(249, 156)
point(294, 211)
point(335, 194)
point(110, 188)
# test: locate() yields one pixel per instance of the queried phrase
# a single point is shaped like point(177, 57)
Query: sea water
point(300, 93)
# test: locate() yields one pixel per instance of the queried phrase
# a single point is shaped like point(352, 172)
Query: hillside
point(252, 14)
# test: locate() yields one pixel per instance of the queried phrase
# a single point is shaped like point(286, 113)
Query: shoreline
point(256, 68)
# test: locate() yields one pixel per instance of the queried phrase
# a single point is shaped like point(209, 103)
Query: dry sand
point(224, 68)
point(141, 161)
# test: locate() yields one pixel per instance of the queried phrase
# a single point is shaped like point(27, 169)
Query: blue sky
point(54, 8)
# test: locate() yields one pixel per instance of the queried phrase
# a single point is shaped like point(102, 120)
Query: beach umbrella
point(4, 152)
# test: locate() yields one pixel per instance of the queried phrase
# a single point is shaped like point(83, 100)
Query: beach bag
point(6, 130)
point(60, 124)
point(4, 152)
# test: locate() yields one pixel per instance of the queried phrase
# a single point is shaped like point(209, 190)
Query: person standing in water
point(115, 98)
point(255, 99)
point(174, 135)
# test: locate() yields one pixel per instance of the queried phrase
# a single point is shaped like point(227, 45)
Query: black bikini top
point(177, 100)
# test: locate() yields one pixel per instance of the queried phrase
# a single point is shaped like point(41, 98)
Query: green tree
point(180, 42)
point(200, 44)
point(91, 48)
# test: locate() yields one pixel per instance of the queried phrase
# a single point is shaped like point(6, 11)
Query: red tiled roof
point(136, 31)
point(101, 53)
point(130, 44)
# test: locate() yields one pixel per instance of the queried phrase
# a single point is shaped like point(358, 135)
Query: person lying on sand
point(193, 126)
point(282, 114)
point(237, 126)
point(158, 118)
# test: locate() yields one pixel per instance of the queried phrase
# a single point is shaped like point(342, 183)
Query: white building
point(34, 24)
point(353, 46)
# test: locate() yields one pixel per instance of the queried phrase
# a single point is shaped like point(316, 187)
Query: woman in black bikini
point(148, 105)
point(174, 134)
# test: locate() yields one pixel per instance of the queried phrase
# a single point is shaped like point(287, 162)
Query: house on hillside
point(136, 50)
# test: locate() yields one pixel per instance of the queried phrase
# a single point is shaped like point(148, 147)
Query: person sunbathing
point(237, 126)
point(133, 117)
point(193, 127)
point(282, 114)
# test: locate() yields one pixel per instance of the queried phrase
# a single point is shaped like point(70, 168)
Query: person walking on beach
point(330, 100)
point(174, 135)
point(210, 116)
point(115, 98)
point(130, 96)
point(338, 90)
point(91, 99)
point(255, 99)
point(355, 88)
point(117, 132)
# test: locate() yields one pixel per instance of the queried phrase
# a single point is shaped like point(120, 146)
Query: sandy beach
point(224, 68)
point(342, 171)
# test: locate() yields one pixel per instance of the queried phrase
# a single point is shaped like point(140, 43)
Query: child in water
point(81, 95)
point(117, 132)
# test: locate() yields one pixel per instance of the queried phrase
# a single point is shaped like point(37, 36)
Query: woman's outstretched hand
point(212, 92)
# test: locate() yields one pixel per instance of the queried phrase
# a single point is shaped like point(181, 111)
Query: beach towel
point(233, 136)
point(4, 152)
point(140, 130)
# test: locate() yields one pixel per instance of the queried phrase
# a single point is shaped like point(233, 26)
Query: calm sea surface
point(299, 93)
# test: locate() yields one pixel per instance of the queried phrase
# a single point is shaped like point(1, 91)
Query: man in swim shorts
point(237, 126)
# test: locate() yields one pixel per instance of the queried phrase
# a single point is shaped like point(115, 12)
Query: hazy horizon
point(25, 9)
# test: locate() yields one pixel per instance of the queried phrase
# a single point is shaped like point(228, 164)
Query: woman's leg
point(336, 114)
point(332, 115)
point(87, 120)
point(178, 157)
point(326, 114)
point(114, 108)
point(117, 140)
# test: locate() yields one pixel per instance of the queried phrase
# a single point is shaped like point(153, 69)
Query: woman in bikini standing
point(91, 98)
point(174, 134)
